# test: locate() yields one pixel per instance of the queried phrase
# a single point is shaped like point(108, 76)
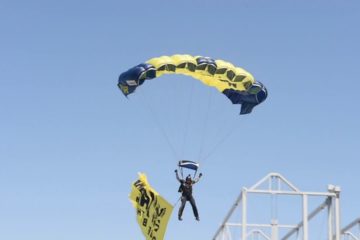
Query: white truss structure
point(351, 231)
point(275, 185)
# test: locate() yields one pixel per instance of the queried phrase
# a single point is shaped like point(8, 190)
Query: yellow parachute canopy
point(234, 82)
point(225, 76)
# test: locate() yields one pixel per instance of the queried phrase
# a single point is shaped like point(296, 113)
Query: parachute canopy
point(234, 82)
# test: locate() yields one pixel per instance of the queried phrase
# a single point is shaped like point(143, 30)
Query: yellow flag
point(152, 210)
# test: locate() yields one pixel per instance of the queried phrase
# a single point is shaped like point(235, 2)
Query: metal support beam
point(351, 225)
point(346, 230)
point(330, 219)
point(274, 230)
point(305, 218)
point(244, 215)
point(337, 218)
point(278, 185)
point(256, 233)
point(228, 215)
point(309, 217)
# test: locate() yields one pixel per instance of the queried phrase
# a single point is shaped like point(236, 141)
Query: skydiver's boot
point(179, 217)
point(197, 219)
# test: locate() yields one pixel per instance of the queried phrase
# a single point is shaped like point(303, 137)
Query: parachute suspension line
point(230, 132)
point(181, 172)
point(194, 174)
point(174, 205)
point(205, 125)
point(159, 126)
point(187, 121)
point(225, 127)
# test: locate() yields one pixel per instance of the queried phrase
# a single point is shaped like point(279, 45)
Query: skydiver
point(186, 190)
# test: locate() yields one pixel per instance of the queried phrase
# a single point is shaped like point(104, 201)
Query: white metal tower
point(275, 186)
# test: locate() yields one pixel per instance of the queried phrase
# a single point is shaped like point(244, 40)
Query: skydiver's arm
point(177, 176)
point(197, 179)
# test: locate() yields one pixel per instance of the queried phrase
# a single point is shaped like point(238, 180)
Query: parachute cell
point(234, 82)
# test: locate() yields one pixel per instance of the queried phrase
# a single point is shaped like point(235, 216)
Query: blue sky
point(71, 144)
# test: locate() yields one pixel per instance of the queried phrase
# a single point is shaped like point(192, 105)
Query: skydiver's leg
point(182, 206)
point(193, 205)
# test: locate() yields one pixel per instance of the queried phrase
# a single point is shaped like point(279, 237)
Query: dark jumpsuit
point(186, 189)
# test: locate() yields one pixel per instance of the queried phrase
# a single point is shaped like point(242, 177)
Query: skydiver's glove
point(200, 175)
point(175, 170)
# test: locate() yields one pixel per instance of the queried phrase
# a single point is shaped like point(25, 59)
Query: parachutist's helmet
point(188, 179)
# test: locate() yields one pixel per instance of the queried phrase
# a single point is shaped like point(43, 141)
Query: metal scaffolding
point(351, 231)
point(275, 185)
